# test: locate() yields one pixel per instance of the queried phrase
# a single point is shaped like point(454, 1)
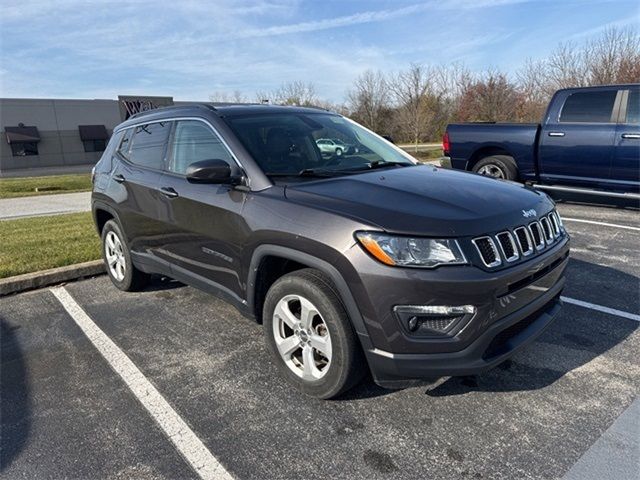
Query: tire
point(502, 166)
point(338, 152)
point(324, 361)
point(117, 258)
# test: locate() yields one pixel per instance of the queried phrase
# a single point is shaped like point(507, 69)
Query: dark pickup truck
point(589, 140)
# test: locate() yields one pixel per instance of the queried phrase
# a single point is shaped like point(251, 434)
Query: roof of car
point(220, 109)
point(602, 87)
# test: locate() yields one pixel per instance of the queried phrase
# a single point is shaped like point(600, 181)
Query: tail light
point(446, 145)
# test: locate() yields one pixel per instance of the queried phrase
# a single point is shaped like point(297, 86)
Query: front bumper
point(500, 341)
point(513, 305)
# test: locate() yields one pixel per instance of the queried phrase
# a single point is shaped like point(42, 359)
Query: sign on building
point(130, 105)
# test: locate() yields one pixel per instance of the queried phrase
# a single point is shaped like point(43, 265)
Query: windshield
point(308, 144)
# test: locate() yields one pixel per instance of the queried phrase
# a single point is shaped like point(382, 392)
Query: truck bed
point(472, 141)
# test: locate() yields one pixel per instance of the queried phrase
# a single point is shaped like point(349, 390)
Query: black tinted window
point(589, 107)
point(633, 107)
point(194, 141)
point(148, 144)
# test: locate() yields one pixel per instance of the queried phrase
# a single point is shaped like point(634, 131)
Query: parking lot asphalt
point(66, 413)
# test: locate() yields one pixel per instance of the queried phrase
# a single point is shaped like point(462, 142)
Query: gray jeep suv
point(354, 263)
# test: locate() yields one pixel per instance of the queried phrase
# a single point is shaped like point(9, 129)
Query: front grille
point(488, 252)
point(510, 245)
point(536, 234)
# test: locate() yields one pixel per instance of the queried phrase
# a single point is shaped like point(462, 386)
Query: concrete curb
point(44, 278)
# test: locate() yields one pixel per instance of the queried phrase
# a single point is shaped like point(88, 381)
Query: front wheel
point(338, 152)
point(117, 258)
point(497, 166)
point(310, 335)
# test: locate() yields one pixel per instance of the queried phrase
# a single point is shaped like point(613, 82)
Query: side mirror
point(209, 171)
point(388, 138)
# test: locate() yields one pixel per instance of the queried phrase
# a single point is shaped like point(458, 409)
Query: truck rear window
point(589, 107)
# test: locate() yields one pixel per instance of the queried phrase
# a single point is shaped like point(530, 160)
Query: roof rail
point(205, 105)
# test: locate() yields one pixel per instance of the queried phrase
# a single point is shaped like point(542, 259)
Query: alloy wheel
point(115, 256)
point(302, 337)
point(491, 170)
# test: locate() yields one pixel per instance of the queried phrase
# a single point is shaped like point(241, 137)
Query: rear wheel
point(497, 166)
point(310, 335)
point(117, 258)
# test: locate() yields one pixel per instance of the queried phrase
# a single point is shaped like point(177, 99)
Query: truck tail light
point(446, 145)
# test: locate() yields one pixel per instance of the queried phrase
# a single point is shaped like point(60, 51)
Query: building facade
point(41, 133)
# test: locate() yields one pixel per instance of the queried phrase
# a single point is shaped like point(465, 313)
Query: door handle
point(169, 192)
point(556, 134)
point(118, 178)
point(631, 135)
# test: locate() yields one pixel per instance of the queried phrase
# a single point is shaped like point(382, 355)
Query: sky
point(193, 49)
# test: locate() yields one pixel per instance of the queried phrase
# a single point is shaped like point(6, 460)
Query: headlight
point(411, 252)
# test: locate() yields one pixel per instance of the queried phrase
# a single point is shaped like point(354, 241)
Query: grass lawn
point(27, 186)
point(424, 155)
point(38, 243)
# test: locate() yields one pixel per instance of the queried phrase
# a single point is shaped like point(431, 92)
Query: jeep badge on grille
point(529, 213)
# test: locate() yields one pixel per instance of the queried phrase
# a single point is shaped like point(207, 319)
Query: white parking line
point(185, 441)
point(601, 308)
point(593, 222)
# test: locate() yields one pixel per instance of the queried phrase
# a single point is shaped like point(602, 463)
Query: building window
point(23, 140)
point(24, 149)
point(94, 145)
point(94, 137)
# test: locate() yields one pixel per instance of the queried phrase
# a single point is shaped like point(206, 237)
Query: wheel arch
point(304, 260)
point(487, 151)
point(102, 213)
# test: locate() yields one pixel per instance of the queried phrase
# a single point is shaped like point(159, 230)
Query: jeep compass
point(362, 261)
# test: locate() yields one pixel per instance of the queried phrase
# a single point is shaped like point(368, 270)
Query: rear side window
point(589, 107)
point(633, 107)
point(194, 141)
point(125, 143)
point(148, 144)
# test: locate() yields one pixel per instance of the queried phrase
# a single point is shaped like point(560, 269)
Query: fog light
point(432, 320)
point(413, 324)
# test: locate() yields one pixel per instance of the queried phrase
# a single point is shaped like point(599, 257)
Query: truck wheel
point(498, 166)
point(117, 258)
point(310, 336)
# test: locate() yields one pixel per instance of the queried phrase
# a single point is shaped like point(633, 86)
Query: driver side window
point(194, 141)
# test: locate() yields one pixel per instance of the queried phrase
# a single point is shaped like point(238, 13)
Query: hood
point(424, 200)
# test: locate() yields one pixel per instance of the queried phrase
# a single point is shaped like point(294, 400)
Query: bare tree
point(535, 93)
point(417, 102)
point(368, 100)
point(291, 93)
point(491, 98)
point(613, 57)
point(225, 97)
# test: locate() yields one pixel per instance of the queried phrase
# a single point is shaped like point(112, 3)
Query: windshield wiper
point(307, 172)
point(381, 164)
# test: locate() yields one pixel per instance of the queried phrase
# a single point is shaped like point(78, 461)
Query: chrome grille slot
point(546, 229)
point(488, 251)
point(536, 235)
point(553, 220)
point(524, 241)
point(508, 246)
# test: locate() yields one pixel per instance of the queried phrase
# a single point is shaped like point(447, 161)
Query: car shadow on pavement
point(160, 283)
point(575, 338)
point(15, 399)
